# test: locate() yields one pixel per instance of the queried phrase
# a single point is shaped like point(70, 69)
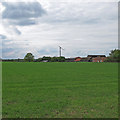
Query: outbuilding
point(98, 59)
point(77, 59)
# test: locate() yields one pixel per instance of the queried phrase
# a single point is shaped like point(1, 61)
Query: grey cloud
point(16, 31)
point(8, 53)
point(7, 50)
point(48, 51)
point(89, 14)
point(92, 21)
point(21, 13)
point(86, 31)
point(24, 22)
point(2, 36)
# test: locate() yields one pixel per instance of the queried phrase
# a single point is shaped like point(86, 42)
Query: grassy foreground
point(62, 90)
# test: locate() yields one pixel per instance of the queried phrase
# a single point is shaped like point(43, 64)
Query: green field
point(60, 90)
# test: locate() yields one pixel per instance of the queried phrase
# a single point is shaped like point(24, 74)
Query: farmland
point(59, 90)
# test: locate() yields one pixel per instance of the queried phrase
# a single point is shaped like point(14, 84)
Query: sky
point(40, 27)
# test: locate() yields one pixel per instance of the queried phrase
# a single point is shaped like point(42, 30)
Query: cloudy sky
point(39, 27)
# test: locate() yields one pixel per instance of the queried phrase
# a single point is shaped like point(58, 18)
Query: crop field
point(59, 90)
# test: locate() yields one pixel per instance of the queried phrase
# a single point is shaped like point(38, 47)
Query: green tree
point(114, 56)
point(54, 59)
point(39, 60)
point(46, 58)
point(61, 59)
point(29, 57)
point(58, 59)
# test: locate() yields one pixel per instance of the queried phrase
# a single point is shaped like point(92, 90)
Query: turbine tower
point(60, 50)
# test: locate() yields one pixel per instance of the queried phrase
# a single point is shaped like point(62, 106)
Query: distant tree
point(61, 59)
point(54, 59)
point(46, 58)
point(39, 60)
point(18, 59)
point(29, 57)
point(58, 59)
point(114, 56)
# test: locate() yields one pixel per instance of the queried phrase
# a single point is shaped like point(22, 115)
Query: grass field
point(60, 90)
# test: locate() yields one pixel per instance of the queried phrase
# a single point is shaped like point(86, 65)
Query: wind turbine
point(60, 50)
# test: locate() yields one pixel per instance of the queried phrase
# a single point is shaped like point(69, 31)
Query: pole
point(60, 51)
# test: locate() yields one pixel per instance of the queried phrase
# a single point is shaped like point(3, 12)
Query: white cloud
point(84, 28)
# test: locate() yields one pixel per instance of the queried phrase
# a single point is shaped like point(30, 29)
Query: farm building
point(97, 58)
point(86, 59)
point(93, 56)
point(77, 59)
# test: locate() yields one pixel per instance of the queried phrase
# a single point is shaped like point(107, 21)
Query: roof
point(86, 58)
point(78, 59)
point(96, 56)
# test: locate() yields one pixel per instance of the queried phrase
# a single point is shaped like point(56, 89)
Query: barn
point(77, 59)
point(97, 58)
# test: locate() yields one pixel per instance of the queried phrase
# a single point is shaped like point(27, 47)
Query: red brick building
point(98, 59)
point(77, 59)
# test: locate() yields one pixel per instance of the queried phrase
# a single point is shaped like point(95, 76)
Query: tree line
point(114, 56)
point(30, 58)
